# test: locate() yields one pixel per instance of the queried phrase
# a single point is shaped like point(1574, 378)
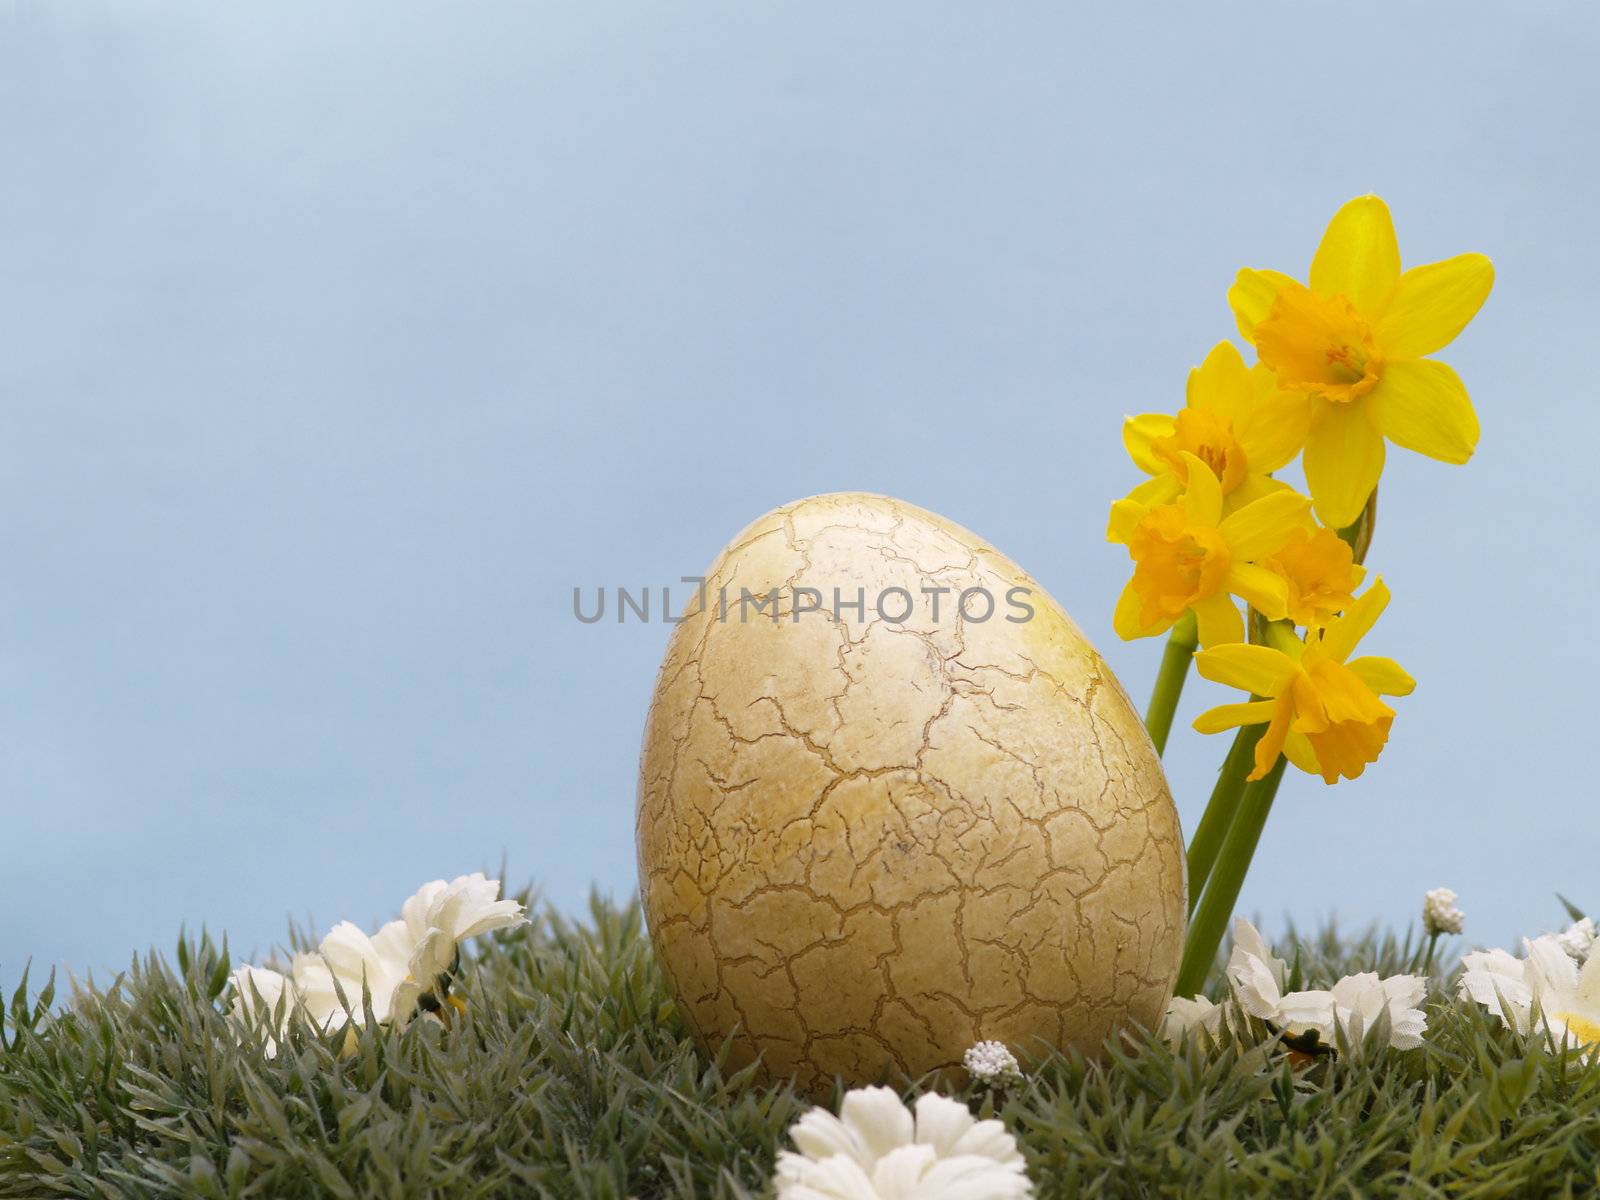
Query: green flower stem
point(1220, 809)
point(1227, 877)
point(1427, 962)
point(1169, 681)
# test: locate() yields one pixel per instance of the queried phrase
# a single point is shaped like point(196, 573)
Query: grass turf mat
point(572, 1076)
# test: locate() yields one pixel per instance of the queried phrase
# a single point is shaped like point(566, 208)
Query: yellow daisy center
point(1209, 437)
point(1584, 1029)
point(1318, 344)
point(1175, 563)
point(1320, 571)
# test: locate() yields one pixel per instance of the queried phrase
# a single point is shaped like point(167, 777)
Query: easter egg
point(892, 803)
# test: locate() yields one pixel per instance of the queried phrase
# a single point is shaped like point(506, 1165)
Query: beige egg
point(872, 833)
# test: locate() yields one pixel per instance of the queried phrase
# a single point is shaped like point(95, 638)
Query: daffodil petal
point(1359, 256)
point(1431, 304)
point(1137, 435)
point(1297, 748)
point(1257, 669)
point(1423, 406)
point(1273, 427)
point(1160, 489)
point(1263, 525)
point(1343, 460)
point(1231, 716)
point(1217, 620)
point(1202, 500)
point(1251, 297)
point(1125, 515)
point(1264, 590)
point(1383, 675)
point(1125, 620)
point(1271, 743)
point(1221, 383)
point(1252, 489)
point(1344, 633)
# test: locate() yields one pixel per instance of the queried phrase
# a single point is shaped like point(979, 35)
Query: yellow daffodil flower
point(1321, 573)
point(1353, 345)
point(1187, 555)
point(1235, 420)
point(1323, 709)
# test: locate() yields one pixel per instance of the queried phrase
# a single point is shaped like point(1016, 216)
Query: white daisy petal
point(877, 1149)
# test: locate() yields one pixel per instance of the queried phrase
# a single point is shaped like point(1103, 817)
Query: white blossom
point(1257, 975)
point(1578, 939)
point(1353, 1005)
point(992, 1064)
point(349, 961)
point(1186, 1017)
point(256, 995)
point(1498, 980)
point(1258, 978)
point(876, 1149)
point(406, 964)
point(1543, 990)
point(440, 916)
point(1440, 914)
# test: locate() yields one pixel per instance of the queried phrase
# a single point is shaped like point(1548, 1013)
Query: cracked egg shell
point(866, 843)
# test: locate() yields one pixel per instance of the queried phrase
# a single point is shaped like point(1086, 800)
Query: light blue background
point(339, 342)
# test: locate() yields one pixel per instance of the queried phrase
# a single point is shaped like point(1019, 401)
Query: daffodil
point(1322, 708)
point(1319, 572)
point(1235, 420)
point(1188, 556)
point(1354, 345)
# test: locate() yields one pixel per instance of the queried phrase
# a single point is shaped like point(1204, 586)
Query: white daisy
point(1256, 973)
point(408, 962)
point(256, 992)
point(348, 960)
point(1258, 977)
point(440, 916)
point(1545, 989)
point(1498, 980)
point(1578, 940)
point(1186, 1017)
point(1353, 1004)
point(876, 1150)
point(1566, 996)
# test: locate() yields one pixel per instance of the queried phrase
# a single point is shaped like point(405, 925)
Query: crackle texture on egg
point(865, 845)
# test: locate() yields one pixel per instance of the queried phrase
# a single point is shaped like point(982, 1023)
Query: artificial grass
point(573, 1076)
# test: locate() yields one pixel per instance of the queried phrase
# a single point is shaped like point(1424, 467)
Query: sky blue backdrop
point(339, 342)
